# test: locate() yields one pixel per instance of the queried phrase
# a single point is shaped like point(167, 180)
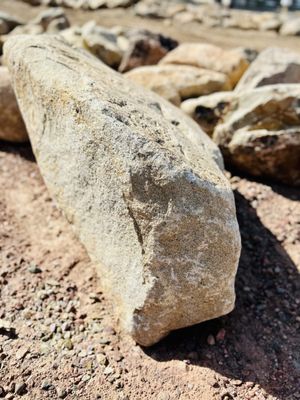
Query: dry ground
point(61, 333)
point(58, 335)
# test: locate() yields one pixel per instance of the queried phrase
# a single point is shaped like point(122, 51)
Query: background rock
point(273, 65)
point(291, 27)
point(145, 48)
point(208, 111)
point(261, 133)
point(12, 127)
point(210, 57)
point(188, 81)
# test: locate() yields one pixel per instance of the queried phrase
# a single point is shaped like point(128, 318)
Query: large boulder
point(12, 127)
point(140, 182)
point(145, 48)
point(186, 80)
point(272, 66)
point(208, 111)
point(203, 55)
point(260, 133)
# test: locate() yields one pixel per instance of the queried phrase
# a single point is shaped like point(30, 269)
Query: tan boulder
point(272, 66)
point(260, 133)
point(12, 127)
point(230, 63)
point(188, 81)
point(139, 181)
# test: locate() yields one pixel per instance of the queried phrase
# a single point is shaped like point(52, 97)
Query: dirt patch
point(60, 338)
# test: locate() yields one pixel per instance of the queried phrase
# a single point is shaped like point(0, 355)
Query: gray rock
point(272, 66)
point(12, 127)
point(138, 180)
point(260, 133)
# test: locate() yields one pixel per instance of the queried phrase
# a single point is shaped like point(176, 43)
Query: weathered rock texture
point(186, 80)
point(273, 65)
point(137, 179)
point(12, 127)
point(261, 133)
point(211, 57)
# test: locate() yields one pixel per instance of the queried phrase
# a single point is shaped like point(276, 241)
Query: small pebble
point(221, 335)
point(61, 393)
point(34, 269)
point(46, 386)
point(86, 378)
point(20, 388)
point(2, 392)
point(211, 340)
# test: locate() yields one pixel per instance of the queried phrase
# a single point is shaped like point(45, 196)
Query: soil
point(58, 334)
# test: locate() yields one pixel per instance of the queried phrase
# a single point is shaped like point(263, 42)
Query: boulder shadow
point(261, 342)
point(24, 150)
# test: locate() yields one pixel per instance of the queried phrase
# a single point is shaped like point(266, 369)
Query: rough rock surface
point(137, 179)
point(272, 66)
point(211, 57)
point(12, 127)
point(208, 110)
point(261, 133)
point(188, 81)
point(145, 48)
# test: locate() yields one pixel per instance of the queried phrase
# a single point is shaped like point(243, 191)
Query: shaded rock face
point(186, 80)
point(139, 181)
point(273, 66)
point(145, 48)
point(12, 127)
point(260, 133)
point(8, 23)
point(230, 63)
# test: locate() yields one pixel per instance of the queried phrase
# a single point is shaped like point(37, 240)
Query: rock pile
point(257, 125)
point(140, 181)
point(83, 4)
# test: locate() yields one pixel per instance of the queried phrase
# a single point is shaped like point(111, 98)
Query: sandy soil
point(58, 334)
